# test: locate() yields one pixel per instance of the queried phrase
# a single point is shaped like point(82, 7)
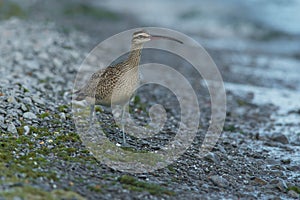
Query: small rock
point(277, 173)
point(29, 115)
point(219, 181)
point(221, 149)
point(3, 125)
point(212, 158)
point(293, 194)
point(23, 107)
point(286, 161)
point(18, 56)
point(279, 137)
point(12, 128)
point(281, 185)
point(38, 100)
point(27, 130)
point(272, 161)
point(260, 181)
point(11, 99)
point(44, 56)
point(2, 111)
point(32, 64)
point(27, 100)
point(278, 167)
point(62, 116)
point(57, 62)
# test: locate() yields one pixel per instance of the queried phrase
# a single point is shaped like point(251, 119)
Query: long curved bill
point(154, 37)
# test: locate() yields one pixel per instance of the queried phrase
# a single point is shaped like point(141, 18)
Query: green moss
point(42, 131)
point(294, 188)
point(241, 102)
point(25, 158)
point(87, 10)
point(132, 149)
point(136, 100)
point(95, 188)
point(20, 130)
point(230, 128)
point(171, 169)
point(131, 183)
point(63, 108)
point(44, 115)
point(98, 109)
point(138, 104)
point(118, 154)
point(34, 163)
point(29, 192)
point(21, 86)
point(29, 164)
point(68, 137)
point(10, 9)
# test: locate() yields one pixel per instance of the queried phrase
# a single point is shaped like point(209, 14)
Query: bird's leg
point(123, 124)
point(92, 108)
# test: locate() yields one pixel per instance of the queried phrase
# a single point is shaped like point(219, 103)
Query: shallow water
point(195, 16)
point(253, 25)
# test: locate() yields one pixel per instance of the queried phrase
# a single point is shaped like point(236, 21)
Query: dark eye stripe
point(140, 37)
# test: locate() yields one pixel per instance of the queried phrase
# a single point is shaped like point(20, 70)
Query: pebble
point(212, 157)
point(2, 111)
point(1, 119)
point(279, 137)
point(12, 128)
point(18, 56)
point(27, 130)
point(31, 64)
point(62, 116)
point(27, 100)
point(286, 161)
point(23, 107)
point(57, 62)
point(29, 115)
point(259, 181)
point(11, 99)
point(293, 194)
point(281, 185)
point(38, 100)
point(219, 181)
point(43, 55)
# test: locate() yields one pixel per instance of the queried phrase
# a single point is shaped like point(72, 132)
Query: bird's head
point(142, 36)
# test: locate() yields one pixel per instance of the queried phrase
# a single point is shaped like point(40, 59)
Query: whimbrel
point(117, 83)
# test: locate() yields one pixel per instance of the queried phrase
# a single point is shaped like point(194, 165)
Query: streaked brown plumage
point(116, 84)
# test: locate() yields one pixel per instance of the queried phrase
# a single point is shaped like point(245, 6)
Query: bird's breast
point(120, 90)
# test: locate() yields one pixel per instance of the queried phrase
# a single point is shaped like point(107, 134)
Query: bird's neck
point(135, 55)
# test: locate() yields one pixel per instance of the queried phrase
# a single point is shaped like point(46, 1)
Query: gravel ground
point(42, 155)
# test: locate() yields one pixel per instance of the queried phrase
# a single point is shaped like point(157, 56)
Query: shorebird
point(116, 84)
